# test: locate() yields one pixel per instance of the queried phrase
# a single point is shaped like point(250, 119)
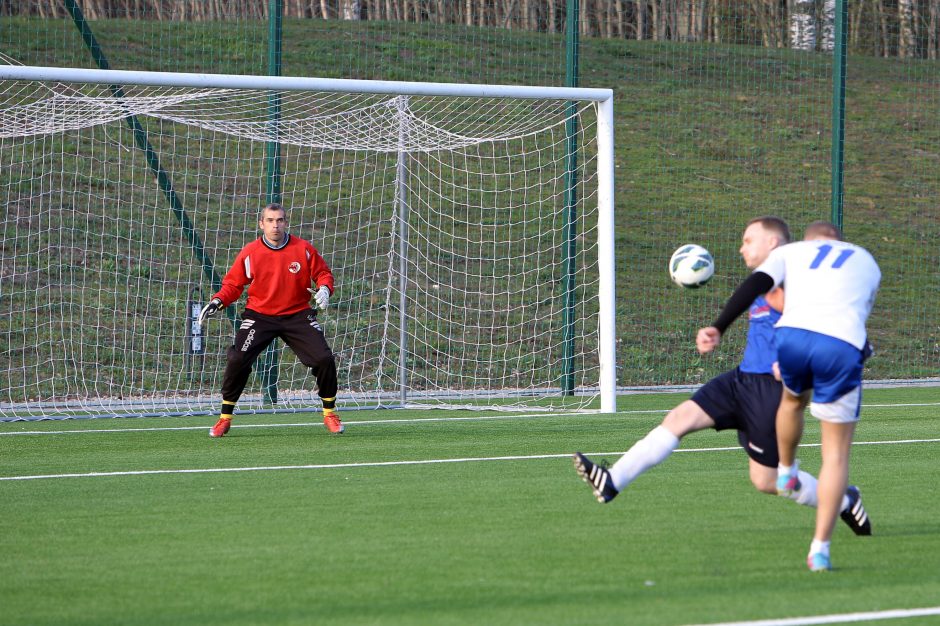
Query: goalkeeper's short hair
point(273, 206)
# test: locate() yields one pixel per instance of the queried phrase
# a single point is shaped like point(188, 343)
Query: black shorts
point(747, 403)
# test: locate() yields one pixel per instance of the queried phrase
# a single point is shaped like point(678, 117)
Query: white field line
point(416, 420)
point(882, 406)
point(279, 468)
point(843, 618)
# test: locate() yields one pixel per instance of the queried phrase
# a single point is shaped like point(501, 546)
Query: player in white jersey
point(821, 345)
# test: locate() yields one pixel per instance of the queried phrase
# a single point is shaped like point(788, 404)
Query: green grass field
point(428, 517)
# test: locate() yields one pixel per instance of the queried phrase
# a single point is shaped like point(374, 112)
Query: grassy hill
point(707, 136)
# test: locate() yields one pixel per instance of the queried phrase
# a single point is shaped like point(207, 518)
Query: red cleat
point(332, 422)
point(221, 427)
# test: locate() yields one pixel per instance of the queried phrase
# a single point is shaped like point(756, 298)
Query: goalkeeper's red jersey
point(277, 278)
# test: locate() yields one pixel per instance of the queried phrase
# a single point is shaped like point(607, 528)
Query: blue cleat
point(596, 476)
point(818, 562)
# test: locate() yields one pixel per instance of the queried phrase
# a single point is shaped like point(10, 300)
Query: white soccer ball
point(691, 266)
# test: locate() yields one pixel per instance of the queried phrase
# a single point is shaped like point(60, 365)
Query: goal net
point(463, 233)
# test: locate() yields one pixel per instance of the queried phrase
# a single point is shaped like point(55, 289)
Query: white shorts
point(844, 410)
point(830, 367)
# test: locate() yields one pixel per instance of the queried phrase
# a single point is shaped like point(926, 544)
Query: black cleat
point(596, 476)
point(855, 514)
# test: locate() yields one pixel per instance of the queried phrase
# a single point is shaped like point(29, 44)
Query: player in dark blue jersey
point(745, 399)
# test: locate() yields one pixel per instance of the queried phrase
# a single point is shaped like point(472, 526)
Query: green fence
point(724, 111)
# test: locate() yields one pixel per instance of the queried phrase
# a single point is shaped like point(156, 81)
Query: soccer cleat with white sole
point(855, 514)
point(818, 562)
point(221, 427)
point(596, 476)
point(333, 423)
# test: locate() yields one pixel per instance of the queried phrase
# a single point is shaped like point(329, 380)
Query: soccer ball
point(691, 266)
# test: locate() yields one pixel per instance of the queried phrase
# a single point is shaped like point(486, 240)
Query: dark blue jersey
point(760, 351)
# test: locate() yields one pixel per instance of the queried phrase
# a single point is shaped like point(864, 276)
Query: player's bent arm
point(707, 339)
point(320, 273)
point(757, 284)
point(236, 279)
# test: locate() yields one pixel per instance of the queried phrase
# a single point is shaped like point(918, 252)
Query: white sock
point(819, 547)
point(807, 493)
point(788, 469)
point(652, 450)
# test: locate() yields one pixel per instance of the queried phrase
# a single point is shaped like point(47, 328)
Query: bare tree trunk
point(618, 8)
point(509, 12)
point(667, 10)
point(351, 10)
point(700, 20)
point(655, 21)
point(780, 23)
point(759, 12)
point(641, 19)
point(716, 23)
point(674, 30)
point(828, 43)
point(680, 19)
point(885, 33)
point(803, 25)
point(609, 18)
point(856, 12)
point(933, 22)
point(906, 43)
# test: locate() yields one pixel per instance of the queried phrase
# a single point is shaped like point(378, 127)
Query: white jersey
point(829, 287)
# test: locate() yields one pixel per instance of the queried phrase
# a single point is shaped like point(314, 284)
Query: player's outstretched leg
point(855, 514)
point(596, 476)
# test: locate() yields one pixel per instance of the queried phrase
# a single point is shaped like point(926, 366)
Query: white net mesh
point(444, 221)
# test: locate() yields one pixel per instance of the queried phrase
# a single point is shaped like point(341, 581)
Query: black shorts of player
point(747, 403)
point(300, 331)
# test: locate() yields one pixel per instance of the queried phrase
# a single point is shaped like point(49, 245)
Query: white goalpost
point(470, 229)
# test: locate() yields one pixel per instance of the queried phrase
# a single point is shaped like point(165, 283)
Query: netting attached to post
point(100, 269)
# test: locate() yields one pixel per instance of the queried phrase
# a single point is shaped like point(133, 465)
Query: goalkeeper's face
point(273, 225)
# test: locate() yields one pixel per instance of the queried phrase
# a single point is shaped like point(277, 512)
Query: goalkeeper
point(744, 399)
point(281, 272)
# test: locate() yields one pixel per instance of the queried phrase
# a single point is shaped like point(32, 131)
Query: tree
point(933, 23)
point(907, 44)
point(803, 25)
point(352, 9)
point(828, 42)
